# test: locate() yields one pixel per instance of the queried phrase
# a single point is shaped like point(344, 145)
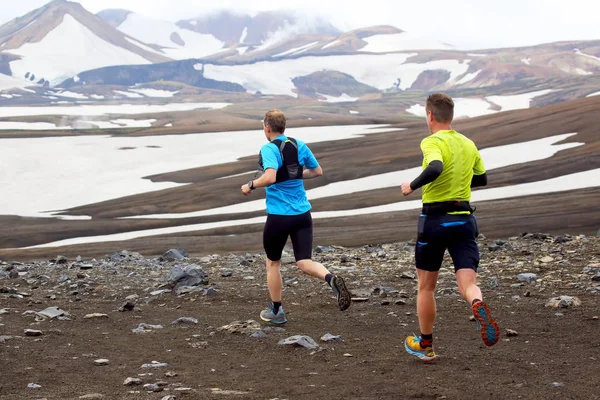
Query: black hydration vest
point(291, 168)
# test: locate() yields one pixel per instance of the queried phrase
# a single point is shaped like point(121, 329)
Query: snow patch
point(340, 99)
point(526, 61)
point(386, 43)
point(32, 126)
point(331, 44)
point(580, 71)
point(154, 92)
point(468, 78)
point(270, 77)
point(159, 32)
point(296, 50)
point(143, 46)
point(117, 109)
point(71, 95)
point(353, 112)
point(593, 94)
point(518, 101)
point(579, 52)
point(129, 94)
point(244, 34)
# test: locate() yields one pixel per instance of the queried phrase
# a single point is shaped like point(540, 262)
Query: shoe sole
point(490, 331)
point(344, 296)
point(421, 356)
point(273, 322)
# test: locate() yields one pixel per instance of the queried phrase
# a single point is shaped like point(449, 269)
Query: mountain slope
point(61, 39)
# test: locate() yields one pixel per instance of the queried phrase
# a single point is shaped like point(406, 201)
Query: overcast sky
point(466, 24)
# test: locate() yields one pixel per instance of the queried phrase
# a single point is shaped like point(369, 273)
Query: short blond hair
point(441, 106)
point(275, 120)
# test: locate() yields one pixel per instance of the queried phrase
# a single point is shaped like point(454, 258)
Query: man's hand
point(406, 189)
point(246, 190)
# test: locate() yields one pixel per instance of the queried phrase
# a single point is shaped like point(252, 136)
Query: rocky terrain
point(180, 327)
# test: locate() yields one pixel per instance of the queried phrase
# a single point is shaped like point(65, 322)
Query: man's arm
point(479, 173)
point(429, 174)
point(312, 173)
point(479, 180)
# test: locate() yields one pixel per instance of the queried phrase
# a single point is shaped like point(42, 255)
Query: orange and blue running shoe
point(490, 332)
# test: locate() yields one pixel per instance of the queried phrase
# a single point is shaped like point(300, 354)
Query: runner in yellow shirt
point(451, 167)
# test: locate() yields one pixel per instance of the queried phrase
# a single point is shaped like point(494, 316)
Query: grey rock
point(13, 274)
point(152, 387)
point(92, 396)
point(323, 249)
point(132, 382)
point(170, 397)
point(101, 362)
point(563, 302)
point(510, 333)
point(61, 260)
point(33, 386)
point(52, 312)
point(300, 340)
point(185, 320)
point(557, 384)
point(408, 275)
point(4, 338)
point(328, 337)
point(155, 364)
point(63, 278)
point(244, 327)
point(32, 332)
point(494, 247)
point(127, 306)
point(245, 263)
point(527, 277)
point(596, 278)
point(159, 292)
point(174, 255)
point(400, 302)
point(191, 275)
point(226, 273)
point(143, 327)
point(258, 335)
point(210, 291)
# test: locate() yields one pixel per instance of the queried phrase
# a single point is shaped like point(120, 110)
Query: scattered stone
point(61, 260)
point(191, 275)
point(494, 247)
point(472, 318)
point(101, 362)
point(273, 329)
point(557, 384)
point(226, 273)
point(13, 274)
point(596, 278)
point(348, 355)
point(243, 327)
point(159, 292)
point(4, 311)
point(300, 340)
point(185, 320)
point(527, 277)
point(510, 332)
point(400, 302)
point(152, 387)
point(174, 255)
point(128, 306)
point(132, 382)
point(595, 318)
point(547, 259)
point(170, 397)
point(4, 338)
point(258, 335)
point(95, 315)
point(92, 396)
point(408, 275)
point(563, 302)
point(170, 374)
point(33, 386)
point(155, 364)
point(360, 299)
point(32, 332)
point(328, 337)
point(143, 327)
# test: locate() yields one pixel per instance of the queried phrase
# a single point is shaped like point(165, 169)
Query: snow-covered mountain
point(271, 53)
point(61, 39)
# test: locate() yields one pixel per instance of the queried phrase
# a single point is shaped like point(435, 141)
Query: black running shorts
point(457, 233)
point(279, 227)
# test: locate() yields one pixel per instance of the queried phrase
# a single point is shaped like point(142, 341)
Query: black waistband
point(446, 207)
